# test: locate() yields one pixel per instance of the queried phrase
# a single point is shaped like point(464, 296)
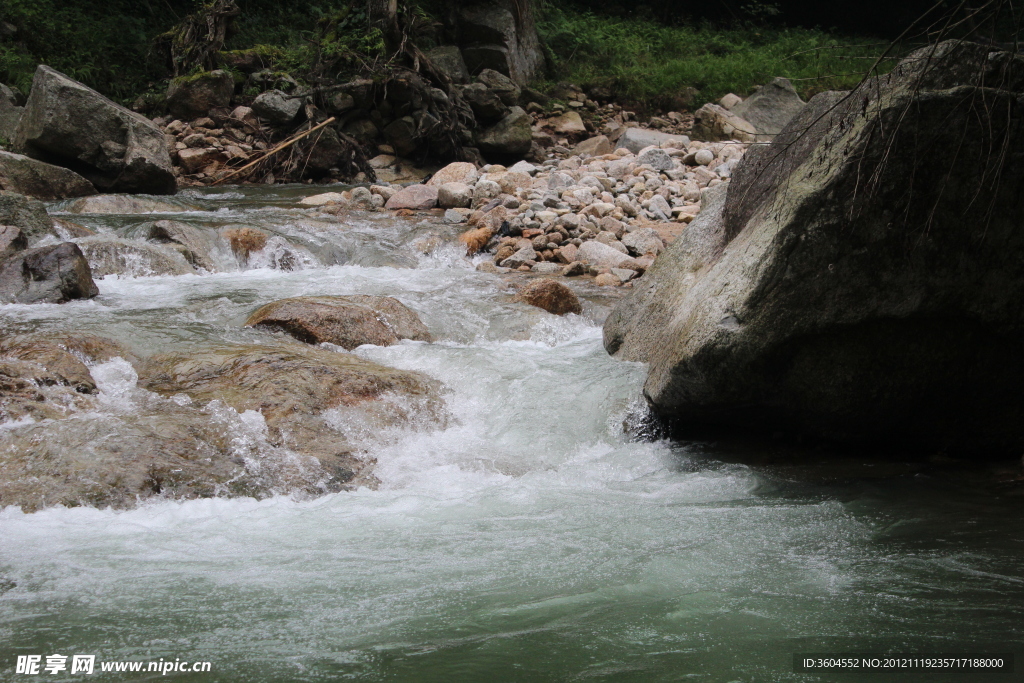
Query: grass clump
point(650, 64)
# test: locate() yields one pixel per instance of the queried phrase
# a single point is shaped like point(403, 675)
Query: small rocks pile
point(607, 215)
point(202, 147)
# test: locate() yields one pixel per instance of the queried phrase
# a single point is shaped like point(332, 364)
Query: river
point(531, 539)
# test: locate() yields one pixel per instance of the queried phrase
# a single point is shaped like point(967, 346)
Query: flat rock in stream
point(318, 402)
point(348, 321)
point(550, 295)
point(123, 203)
point(178, 453)
point(44, 376)
point(309, 413)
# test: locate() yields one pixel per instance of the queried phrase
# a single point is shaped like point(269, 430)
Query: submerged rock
point(44, 376)
point(122, 203)
point(28, 391)
point(52, 274)
point(192, 243)
point(132, 258)
point(69, 230)
point(237, 421)
point(56, 359)
point(348, 321)
point(839, 288)
point(313, 400)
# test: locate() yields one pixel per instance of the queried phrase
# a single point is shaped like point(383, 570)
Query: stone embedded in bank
point(414, 197)
point(34, 178)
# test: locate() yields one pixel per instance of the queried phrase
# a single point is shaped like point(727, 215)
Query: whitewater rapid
point(532, 538)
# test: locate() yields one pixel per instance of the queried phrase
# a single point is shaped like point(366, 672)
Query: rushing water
point(529, 540)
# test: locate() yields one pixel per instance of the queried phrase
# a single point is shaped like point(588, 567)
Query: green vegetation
point(106, 45)
point(648, 63)
point(110, 46)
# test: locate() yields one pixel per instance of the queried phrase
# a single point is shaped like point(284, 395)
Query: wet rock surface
point(120, 204)
point(108, 255)
point(550, 295)
point(236, 420)
point(28, 215)
point(52, 274)
point(347, 321)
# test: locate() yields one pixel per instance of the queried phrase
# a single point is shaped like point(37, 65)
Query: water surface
point(530, 540)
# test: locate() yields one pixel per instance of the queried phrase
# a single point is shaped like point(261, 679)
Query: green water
point(531, 540)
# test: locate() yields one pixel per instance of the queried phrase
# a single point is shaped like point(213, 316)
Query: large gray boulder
point(276, 107)
point(485, 103)
point(511, 136)
point(770, 108)
point(68, 124)
point(34, 178)
point(190, 97)
point(52, 274)
point(503, 86)
point(863, 277)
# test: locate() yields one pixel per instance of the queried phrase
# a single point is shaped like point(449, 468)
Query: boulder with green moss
point(190, 97)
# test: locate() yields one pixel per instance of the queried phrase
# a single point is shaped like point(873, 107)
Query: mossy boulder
point(189, 97)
